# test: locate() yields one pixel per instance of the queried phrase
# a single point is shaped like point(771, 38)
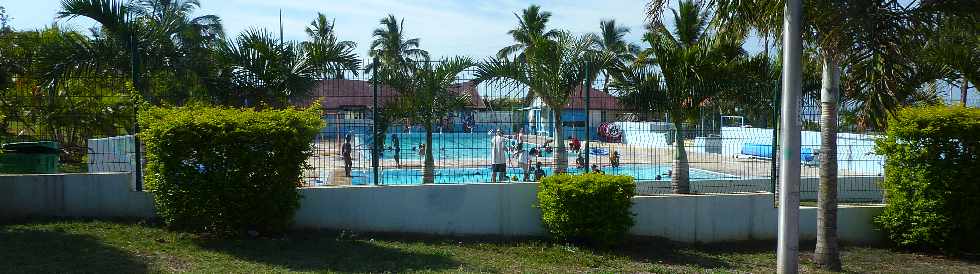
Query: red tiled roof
point(352, 94)
point(598, 100)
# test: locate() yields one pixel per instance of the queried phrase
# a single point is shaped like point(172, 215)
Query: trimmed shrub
point(225, 170)
point(932, 178)
point(590, 208)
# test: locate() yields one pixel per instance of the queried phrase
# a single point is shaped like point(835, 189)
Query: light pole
point(788, 250)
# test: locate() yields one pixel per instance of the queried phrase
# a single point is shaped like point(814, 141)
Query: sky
point(446, 28)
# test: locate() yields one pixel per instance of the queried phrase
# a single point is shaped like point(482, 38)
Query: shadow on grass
point(325, 252)
point(705, 256)
point(39, 251)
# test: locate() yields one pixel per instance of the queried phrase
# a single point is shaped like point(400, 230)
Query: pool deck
point(326, 161)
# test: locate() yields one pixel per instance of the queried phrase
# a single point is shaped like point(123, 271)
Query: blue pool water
point(447, 146)
point(482, 175)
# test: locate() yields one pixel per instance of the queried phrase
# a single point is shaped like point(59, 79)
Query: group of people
point(346, 152)
point(526, 158)
point(613, 162)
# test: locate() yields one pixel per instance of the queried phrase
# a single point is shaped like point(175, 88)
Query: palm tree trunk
point(679, 179)
point(428, 172)
point(963, 91)
point(827, 253)
point(562, 156)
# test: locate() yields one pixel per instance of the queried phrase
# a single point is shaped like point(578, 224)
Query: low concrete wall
point(508, 209)
point(72, 195)
point(472, 209)
point(739, 216)
point(497, 209)
point(849, 189)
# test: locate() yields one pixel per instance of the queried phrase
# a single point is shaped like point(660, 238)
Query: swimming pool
point(482, 175)
point(447, 145)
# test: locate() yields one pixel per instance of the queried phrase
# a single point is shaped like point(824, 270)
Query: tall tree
point(612, 43)
point(173, 47)
point(49, 91)
point(532, 22)
point(426, 96)
point(552, 70)
point(695, 67)
point(951, 39)
point(265, 71)
point(841, 34)
point(4, 20)
point(390, 46)
point(532, 25)
point(330, 57)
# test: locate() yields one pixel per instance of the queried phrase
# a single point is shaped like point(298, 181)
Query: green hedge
point(224, 170)
point(932, 178)
point(590, 208)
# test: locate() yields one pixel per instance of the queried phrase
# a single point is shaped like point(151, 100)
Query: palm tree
point(331, 57)
point(426, 96)
point(46, 91)
point(951, 44)
point(531, 23)
point(551, 70)
point(265, 71)
point(4, 18)
point(391, 47)
point(695, 68)
point(612, 43)
point(172, 46)
point(842, 33)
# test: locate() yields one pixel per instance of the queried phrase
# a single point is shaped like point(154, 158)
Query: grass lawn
point(127, 247)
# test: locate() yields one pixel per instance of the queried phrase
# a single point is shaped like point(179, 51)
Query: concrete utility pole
point(787, 254)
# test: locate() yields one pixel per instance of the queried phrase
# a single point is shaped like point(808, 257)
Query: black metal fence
point(729, 144)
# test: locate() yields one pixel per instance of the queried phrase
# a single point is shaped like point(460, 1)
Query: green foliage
point(391, 48)
point(223, 170)
point(265, 70)
point(504, 103)
point(931, 172)
point(552, 70)
point(42, 99)
point(4, 18)
point(326, 53)
point(426, 95)
point(591, 208)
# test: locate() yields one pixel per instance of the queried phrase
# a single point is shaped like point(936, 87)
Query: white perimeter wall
point(72, 195)
point(508, 209)
point(849, 189)
point(474, 209)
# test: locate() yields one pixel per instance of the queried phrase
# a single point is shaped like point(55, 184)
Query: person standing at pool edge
point(396, 146)
point(345, 152)
point(498, 157)
point(524, 161)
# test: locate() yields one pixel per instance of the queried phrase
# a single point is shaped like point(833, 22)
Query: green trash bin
point(29, 157)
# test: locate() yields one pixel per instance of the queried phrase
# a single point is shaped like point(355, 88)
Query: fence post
point(774, 173)
point(587, 88)
point(374, 123)
point(137, 154)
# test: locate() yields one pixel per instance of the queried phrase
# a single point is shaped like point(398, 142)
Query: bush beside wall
point(590, 208)
point(932, 178)
point(224, 170)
